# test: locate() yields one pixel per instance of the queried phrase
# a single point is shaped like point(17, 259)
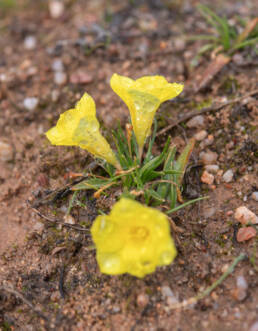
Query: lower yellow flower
point(132, 239)
point(80, 127)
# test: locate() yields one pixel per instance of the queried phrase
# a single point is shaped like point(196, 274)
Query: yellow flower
point(80, 127)
point(143, 97)
point(132, 239)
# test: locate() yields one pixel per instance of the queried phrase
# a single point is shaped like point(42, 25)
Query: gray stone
point(195, 122)
point(30, 42)
point(57, 65)
point(199, 136)
point(208, 157)
point(255, 196)
point(60, 78)
point(228, 176)
point(212, 168)
point(30, 103)
point(245, 215)
point(6, 152)
point(56, 8)
point(166, 291)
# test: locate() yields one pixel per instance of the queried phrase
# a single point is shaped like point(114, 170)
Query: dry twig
point(204, 110)
point(22, 298)
point(194, 300)
point(57, 221)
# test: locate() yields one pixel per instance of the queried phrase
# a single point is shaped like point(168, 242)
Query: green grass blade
point(154, 163)
point(71, 202)
point(181, 162)
point(163, 188)
point(225, 33)
point(151, 142)
point(220, 24)
point(185, 204)
point(203, 37)
point(245, 43)
point(155, 195)
point(207, 14)
point(134, 147)
point(180, 165)
point(90, 184)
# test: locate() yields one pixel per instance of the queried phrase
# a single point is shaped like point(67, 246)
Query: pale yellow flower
point(80, 127)
point(143, 97)
point(132, 239)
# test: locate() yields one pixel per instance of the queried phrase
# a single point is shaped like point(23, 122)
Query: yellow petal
point(133, 239)
point(143, 97)
point(80, 127)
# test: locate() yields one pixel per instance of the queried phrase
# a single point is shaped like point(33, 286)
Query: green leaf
point(203, 37)
point(208, 15)
point(245, 43)
point(163, 188)
point(151, 142)
point(122, 149)
point(181, 162)
point(154, 163)
point(155, 195)
point(180, 165)
point(153, 175)
point(90, 184)
point(185, 204)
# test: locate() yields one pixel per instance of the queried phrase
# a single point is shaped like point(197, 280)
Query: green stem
point(194, 300)
point(140, 154)
point(222, 278)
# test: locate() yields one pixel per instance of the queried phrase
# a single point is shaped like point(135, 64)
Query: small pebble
point(230, 213)
point(195, 122)
point(166, 291)
point(224, 268)
point(255, 196)
point(63, 209)
point(212, 168)
point(208, 157)
point(55, 95)
point(240, 292)
point(207, 142)
point(60, 78)
point(116, 309)
point(254, 326)
point(81, 78)
point(57, 65)
point(209, 212)
point(142, 300)
point(238, 59)
point(207, 178)
point(179, 44)
point(38, 227)
point(30, 103)
point(6, 152)
point(228, 176)
point(56, 8)
point(199, 136)
point(55, 296)
point(69, 219)
point(245, 215)
point(30, 42)
point(43, 180)
point(246, 233)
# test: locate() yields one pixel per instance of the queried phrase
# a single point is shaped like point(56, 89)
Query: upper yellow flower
point(133, 238)
point(80, 127)
point(143, 97)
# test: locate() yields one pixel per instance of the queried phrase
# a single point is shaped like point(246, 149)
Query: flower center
point(139, 233)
